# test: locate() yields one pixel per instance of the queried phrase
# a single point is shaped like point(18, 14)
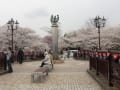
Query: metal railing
point(107, 63)
point(103, 62)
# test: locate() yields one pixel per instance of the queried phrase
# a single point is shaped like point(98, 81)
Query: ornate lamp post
point(99, 22)
point(12, 25)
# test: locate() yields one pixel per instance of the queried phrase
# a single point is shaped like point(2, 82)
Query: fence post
point(110, 69)
point(5, 62)
point(84, 54)
point(97, 72)
point(90, 62)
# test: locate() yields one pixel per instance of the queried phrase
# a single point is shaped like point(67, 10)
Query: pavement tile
point(70, 75)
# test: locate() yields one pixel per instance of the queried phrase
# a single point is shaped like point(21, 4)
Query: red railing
point(81, 54)
point(104, 62)
point(107, 64)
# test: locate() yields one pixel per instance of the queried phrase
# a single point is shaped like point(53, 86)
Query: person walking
point(64, 54)
point(5, 60)
point(8, 58)
point(20, 56)
point(68, 53)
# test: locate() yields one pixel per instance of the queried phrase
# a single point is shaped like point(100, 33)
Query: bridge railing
point(81, 54)
point(106, 63)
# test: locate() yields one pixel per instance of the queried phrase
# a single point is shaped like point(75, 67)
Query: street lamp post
point(12, 25)
point(99, 22)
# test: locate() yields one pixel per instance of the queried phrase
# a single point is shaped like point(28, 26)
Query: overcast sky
point(73, 13)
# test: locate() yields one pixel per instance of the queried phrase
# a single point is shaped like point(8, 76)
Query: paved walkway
point(70, 75)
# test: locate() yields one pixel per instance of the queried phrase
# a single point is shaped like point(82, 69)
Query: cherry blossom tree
point(87, 38)
point(23, 37)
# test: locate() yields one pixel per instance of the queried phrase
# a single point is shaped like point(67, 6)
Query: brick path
point(70, 75)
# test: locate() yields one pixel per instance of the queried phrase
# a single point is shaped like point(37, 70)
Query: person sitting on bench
point(47, 60)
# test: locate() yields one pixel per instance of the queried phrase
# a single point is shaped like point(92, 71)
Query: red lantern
point(104, 54)
point(116, 56)
point(108, 53)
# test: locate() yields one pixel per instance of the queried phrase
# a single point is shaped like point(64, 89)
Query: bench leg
point(32, 77)
point(41, 78)
point(47, 73)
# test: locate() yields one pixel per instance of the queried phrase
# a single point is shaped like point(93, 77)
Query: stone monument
point(54, 28)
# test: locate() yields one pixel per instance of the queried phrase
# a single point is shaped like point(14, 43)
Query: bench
point(50, 67)
point(39, 75)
